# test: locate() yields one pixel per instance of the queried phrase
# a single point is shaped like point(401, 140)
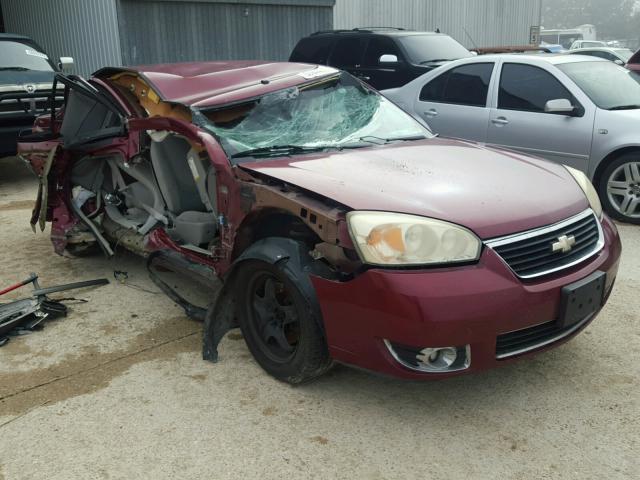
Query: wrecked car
point(321, 219)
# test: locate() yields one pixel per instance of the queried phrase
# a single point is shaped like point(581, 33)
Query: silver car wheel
point(623, 189)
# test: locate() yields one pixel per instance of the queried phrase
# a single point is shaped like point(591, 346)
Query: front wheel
point(279, 324)
point(619, 188)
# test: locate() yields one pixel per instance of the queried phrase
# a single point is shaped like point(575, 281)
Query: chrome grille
point(28, 104)
point(531, 254)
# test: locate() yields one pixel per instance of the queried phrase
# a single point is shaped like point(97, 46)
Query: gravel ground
point(118, 389)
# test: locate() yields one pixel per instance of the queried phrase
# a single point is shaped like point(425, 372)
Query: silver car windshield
point(624, 53)
point(609, 86)
point(337, 112)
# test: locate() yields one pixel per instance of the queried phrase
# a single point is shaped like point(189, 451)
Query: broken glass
point(334, 113)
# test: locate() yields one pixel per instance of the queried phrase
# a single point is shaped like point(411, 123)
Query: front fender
point(290, 256)
point(611, 152)
point(622, 135)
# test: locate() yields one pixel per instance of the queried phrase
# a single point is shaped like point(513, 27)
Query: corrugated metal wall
point(111, 32)
point(487, 22)
point(165, 31)
point(86, 30)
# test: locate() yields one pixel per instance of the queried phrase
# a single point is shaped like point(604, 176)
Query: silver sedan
point(618, 55)
point(580, 111)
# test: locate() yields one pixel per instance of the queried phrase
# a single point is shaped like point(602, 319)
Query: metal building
point(116, 32)
point(86, 30)
point(124, 32)
point(474, 23)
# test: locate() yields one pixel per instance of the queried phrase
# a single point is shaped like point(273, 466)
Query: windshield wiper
point(17, 69)
point(436, 60)
point(278, 150)
point(285, 150)
point(625, 107)
point(384, 141)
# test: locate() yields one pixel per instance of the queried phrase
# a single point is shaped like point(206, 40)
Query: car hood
point(492, 192)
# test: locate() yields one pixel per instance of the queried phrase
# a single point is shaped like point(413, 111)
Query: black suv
point(26, 78)
point(382, 57)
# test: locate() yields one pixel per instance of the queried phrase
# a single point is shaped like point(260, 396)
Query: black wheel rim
point(273, 317)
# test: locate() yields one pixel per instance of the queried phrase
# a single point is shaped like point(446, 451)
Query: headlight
point(588, 189)
point(398, 239)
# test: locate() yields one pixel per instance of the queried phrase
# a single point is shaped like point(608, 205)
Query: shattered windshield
point(336, 112)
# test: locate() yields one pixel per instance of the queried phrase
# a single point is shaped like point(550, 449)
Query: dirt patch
point(16, 348)
point(17, 205)
point(109, 329)
point(269, 411)
point(90, 370)
point(320, 440)
point(235, 336)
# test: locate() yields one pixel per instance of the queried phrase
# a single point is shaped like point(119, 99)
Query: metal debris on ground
point(122, 277)
point(23, 316)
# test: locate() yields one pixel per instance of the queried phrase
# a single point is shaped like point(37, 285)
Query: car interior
point(170, 183)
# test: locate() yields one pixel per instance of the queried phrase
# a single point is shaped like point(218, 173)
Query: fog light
point(438, 358)
point(431, 359)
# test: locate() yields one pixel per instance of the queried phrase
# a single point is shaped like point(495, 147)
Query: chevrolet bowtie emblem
point(564, 244)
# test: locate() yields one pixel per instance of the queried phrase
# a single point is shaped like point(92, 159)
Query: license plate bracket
point(581, 299)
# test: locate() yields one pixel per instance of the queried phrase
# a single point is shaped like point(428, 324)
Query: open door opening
point(171, 185)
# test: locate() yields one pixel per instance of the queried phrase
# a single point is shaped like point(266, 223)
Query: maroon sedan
point(295, 202)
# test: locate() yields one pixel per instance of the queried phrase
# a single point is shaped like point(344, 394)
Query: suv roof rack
point(320, 32)
point(359, 30)
point(368, 29)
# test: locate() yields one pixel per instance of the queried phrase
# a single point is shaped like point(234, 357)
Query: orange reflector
point(392, 236)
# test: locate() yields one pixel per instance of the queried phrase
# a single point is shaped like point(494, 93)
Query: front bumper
point(459, 306)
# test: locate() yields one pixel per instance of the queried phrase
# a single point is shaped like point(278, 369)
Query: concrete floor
point(118, 389)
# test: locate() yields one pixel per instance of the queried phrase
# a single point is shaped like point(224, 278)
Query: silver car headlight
point(399, 239)
point(588, 189)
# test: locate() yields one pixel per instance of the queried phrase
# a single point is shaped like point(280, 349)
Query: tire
point(279, 323)
point(619, 188)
